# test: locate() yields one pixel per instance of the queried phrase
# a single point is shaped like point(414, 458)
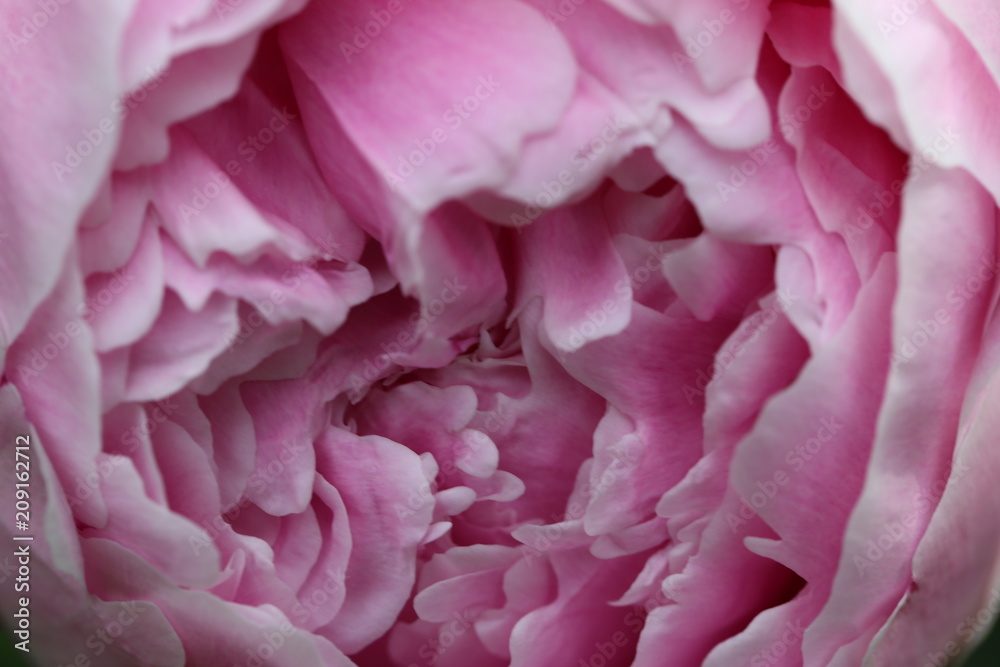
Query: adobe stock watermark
point(319, 596)
point(605, 651)
point(550, 534)
point(788, 124)
point(258, 480)
point(696, 45)
point(582, 159)
point(249, 149)
point(563, 12)
point(792, 121)
point(99, 641)
point(151, 420)
point(778, 649)
point(747, 169)
point(33, 25)
point(260, 655)
point(95, 136)
point(455, 117)
point(752, 327)
point(797, 457)
point(970, 628)
point(883, 200)
point(962, 293)
point(58, 340)
point(365, 35)
point(893, 532)
point(432, 649)
point(473, 441)
point(291, 280)
point(225, 7)
point(900, 16)
point(598, 317)
point(418, 324)
point(87, 485)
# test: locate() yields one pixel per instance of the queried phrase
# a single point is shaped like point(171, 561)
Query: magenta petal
point(435, 57)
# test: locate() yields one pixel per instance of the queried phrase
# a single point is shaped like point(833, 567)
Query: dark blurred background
point(987, 655)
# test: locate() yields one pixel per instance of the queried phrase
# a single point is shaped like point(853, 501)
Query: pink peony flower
point(528, 332)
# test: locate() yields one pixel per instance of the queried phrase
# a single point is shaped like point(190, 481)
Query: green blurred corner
point(10, 656)
point(988, 653)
